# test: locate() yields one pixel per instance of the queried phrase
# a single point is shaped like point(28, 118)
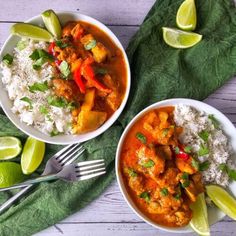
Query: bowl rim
point(126, 196)
point(70, 138)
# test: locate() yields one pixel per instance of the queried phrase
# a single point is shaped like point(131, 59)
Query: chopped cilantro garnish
point(64, 69)
point(90, 45)
point(165, 131)
point(28, 100)
point(177, 196)
point(57, 101)
point(176, 149)
point(145, 196)
point(232, 174)
point(223, 167)
point(132, 172)
point(21, 45)
point(100, 71)
point(148, 164)
point(61, 44)
point(43, 110)
point(42, 87)
point(185, 184)
point(185, 176)
point(54, 132)
point(204, 135)
point(188, 149)
point(203, 150)
point(7, 59)
point(164, 192)
point(204, 165)
point(214, 121)
point(195, 164)
point(141, 138)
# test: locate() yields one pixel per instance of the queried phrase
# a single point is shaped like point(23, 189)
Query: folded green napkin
point(158, 72)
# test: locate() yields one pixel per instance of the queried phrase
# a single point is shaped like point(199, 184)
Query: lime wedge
point(180, 39)
point(31, 31)
point(10, 174)
point(222, 199)
point(32, 155)
point(186, 18)
point(199, 222)
point(10, 147)
point(52, 23)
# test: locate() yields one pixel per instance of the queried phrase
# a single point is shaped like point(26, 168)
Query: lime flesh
point(52, 23)
point(180, 39)
point(199, 222)
point(222, 199)
point(186, 18)
point(31, 31)
point(10, 147)
point(10, 174)
point(32, 155)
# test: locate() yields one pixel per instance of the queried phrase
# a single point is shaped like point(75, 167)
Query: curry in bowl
point(157, 170)
point(71, 85)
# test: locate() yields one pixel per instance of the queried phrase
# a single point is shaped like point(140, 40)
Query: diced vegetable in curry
point(161, 175)
point(91, 74)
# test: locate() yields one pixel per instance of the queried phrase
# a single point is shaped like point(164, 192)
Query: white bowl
point(214, 214)
point(6, 103)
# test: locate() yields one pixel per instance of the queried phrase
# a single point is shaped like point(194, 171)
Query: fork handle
point(31, 182)
point(9, 202)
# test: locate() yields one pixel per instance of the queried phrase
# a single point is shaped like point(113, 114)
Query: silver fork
point(71, 173)
point(55, 164)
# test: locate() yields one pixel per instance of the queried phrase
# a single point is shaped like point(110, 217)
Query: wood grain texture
point(110, 214)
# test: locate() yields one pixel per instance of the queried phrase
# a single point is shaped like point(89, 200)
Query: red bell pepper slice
point(51, 48)
point(78, 80)
point(180, 153)
point(88, 73)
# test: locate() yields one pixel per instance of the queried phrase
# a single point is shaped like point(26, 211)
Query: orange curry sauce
point(161, 182)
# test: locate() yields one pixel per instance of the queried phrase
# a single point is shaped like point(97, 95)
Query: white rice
point(18, 77)
point(220, 151)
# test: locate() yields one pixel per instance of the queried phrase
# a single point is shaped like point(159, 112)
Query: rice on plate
point(28, 89)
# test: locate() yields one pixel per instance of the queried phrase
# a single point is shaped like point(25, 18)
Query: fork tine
point(85, 172)
point(72, 155)
point(89, 167)
point(62, 151)
point(85, 163)
point(63, 155)
point(84, 177)
point(69, 161)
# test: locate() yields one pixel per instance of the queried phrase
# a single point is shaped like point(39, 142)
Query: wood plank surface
point(109, 214)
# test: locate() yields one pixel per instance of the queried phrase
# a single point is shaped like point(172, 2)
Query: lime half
point(10, 147)
point(199, 222)
point(52, 23)
point(222, 199)
point(186, 18)
point(31, 31)
point(32, 155)
point(180, 39)
point(10, 174)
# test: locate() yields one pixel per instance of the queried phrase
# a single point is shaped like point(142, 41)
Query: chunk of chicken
point(185, 165)
point(197, 180)
point(87, 39)
point(66, 30)
point(150, 162)
point(191, 190)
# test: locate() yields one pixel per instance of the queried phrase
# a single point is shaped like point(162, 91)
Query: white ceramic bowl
point(6, 103)
point(214, 214)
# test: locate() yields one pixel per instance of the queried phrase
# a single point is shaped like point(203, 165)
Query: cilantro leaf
point(177, 196)
point(176, 149)
point(232, 174)
point(148, 164)
point(145, 196)
point(195, 164)
point(61, 44)
point(164, 192)
point(55, 132)
point(21, 45)
point(185, 184)
point(203, 150)
point(64, 69)
point(185, 176)
point(165, 131)
point(223, 167)
point(90, 45)
point(141, 137)
point(57, 101)
point(204, 165)
point(204, 135)
point(28, 100)
point(43, 110)
point(7, 59)
point(214, 121)
point(132, 172)
point(42, 87)
point(188, 149)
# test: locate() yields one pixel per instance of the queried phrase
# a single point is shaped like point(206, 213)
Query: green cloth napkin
point(158, 72)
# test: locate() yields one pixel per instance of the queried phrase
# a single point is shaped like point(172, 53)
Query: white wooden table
point(109, 214)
